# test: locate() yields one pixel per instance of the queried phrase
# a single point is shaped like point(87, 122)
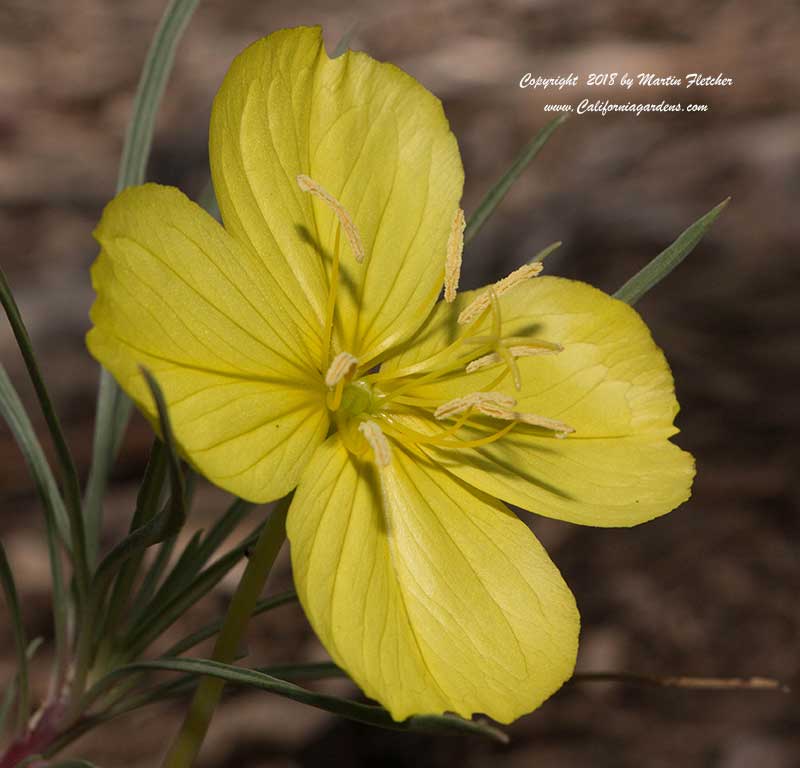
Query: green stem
point(190, 738)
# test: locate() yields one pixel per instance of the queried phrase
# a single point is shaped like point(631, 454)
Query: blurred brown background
point(711, 589)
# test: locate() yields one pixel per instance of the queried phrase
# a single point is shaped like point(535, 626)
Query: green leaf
point(161, 525)
point(220, 531)
point(56, 520)
point(668, 259)
point(210, 630)
point(69, 475)
point(364, 713)
point(313, 671)
point(152, 577)
point(186, 685)
point(14, 414)
point(147, 501)
point(113, 406)
point(495, 195)
point(181, 574)
point(156, 618)
point(11, 688)
point(195, 555)
point(12, 602)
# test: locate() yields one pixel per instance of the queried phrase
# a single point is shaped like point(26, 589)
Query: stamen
point(525, 272)
point(307, 184)
point(455, 248)
point(559, 427)
point(474, 400)
point(526, 350)
point(381, 450)
point(535, 348)
point(340, 368)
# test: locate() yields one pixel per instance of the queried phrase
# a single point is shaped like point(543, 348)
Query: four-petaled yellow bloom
point(302, 346)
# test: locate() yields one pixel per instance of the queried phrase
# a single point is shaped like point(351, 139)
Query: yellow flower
point(302, 346)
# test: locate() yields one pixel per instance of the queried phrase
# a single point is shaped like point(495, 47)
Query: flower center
point(357, 399)
point(369, 407)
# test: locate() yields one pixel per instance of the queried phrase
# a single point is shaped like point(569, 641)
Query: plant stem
point(680, 681)
point(190, 738)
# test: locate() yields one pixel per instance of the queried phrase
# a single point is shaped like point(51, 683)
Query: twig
point(696, 683)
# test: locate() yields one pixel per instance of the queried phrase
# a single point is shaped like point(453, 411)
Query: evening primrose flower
point(301, 346)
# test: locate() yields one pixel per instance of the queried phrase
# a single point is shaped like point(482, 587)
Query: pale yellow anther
point(530, 350)
point(520, 350)
point(476, 400)
point(381, 450)
point(307, 184)
point(560, 429)
point(341, 367)
point(452, 265)
point(481, 302)
point(483, 362)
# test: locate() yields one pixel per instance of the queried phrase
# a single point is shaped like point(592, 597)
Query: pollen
point(476, 400)
point(455, 248)
point(307, 184)
point(341, 367)
point(381, 450)
point(481, 302)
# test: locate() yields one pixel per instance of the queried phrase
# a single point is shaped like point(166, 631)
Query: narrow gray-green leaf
point(668, 259)
point(495, 195)
point(182, 573)
point(14, 414)
point(147, 502)
point(156, 618)
point(153, 577)
point(11, 688)
point(364, 713)
point(220, 531)
point(18, 628)
point(113, 406)
point(210, 630)
point(197, 552)
point(160, 526)
point(177, 488)
point(56, 521)
point(69, 474)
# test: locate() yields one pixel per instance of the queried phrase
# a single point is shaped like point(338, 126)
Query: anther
point(455, 248)
point(474, 400)
point(482, 301)
point(519, 350)
point(340, 368)
point(381, 450)
point(560, 429)
point(307, 184)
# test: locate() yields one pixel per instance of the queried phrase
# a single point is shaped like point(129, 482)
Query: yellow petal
point(371, 136)
point(177, 294)
point(610, 383)
point(432, 596)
